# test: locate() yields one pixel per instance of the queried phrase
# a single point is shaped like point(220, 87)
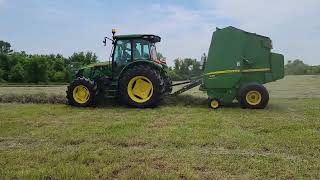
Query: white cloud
point(292, 24)
point(184, 32)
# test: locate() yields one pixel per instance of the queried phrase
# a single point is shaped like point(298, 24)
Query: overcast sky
point(59, 26)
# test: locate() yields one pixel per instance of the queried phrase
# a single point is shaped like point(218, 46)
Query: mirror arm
point(105, 40)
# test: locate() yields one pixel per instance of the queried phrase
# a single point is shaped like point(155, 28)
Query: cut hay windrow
point(44, 98)
point(37, 98)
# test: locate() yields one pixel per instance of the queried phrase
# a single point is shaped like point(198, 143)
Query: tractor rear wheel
point(253, 96)
point(141, 87)
point(81, 92)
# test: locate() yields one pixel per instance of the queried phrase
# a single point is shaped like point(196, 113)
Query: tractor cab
point(128, 49)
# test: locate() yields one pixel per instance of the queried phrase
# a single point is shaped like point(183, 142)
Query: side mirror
point(105, 41)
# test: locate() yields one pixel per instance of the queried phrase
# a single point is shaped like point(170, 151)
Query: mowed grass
point(169, 142)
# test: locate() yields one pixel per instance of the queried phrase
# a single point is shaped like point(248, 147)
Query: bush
point(59, 77)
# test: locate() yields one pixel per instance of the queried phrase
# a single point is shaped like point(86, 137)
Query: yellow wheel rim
point(81, 94)
point(140, 89)
point(253, 98)
point(214, 104)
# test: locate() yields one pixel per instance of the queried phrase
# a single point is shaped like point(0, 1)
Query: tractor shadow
point(181, 100)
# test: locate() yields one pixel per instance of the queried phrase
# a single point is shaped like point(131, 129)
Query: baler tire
point(258, 91)
point(147, 74)
point(89, 85)
point(214, 103)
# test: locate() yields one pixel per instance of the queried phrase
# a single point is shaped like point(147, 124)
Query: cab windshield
point(127, 50)
point(144, 50)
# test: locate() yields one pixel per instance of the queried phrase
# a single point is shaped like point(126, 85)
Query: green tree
point(37, 69)
point(5, 47)
point(1, 75)
point(60, 76)
point(185, 69)
point(17, 73)
point(296, 67)
point(83, 58)
point(77, 60)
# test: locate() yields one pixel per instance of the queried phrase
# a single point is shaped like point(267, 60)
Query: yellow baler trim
point(224, 72)
point(237, 71)
point(257, 70)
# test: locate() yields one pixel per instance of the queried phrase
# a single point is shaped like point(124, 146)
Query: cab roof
point(150, 37)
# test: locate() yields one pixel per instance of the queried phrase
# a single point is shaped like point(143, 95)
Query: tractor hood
point(92, 70)
point(97, 65)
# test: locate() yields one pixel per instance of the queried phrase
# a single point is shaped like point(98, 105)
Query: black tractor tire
point(152, 75)
point(90, 87)
point(253, 96)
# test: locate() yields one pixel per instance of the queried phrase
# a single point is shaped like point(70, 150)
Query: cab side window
point(123, 52)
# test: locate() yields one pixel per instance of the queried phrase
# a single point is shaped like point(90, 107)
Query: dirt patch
point(115, 173)
point(160, 164)
point(74, 142)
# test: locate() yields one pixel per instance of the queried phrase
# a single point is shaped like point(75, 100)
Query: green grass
point(172, 141)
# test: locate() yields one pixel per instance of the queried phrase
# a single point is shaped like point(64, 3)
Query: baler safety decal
point(237, 71)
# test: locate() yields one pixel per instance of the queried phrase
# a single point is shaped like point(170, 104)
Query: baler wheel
point(253, 96)
point(214, 103)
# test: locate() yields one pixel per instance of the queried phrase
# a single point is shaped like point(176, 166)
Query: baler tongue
point(188, 85)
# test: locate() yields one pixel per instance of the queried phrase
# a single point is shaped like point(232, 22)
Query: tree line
point(298, 67)
point(20, 67)
point(185, 69)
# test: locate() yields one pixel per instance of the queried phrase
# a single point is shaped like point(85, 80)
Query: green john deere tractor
point(134, 75)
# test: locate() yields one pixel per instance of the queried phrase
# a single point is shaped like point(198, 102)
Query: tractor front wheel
point(81, 92)
point(253, 96)
point(141, 87)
